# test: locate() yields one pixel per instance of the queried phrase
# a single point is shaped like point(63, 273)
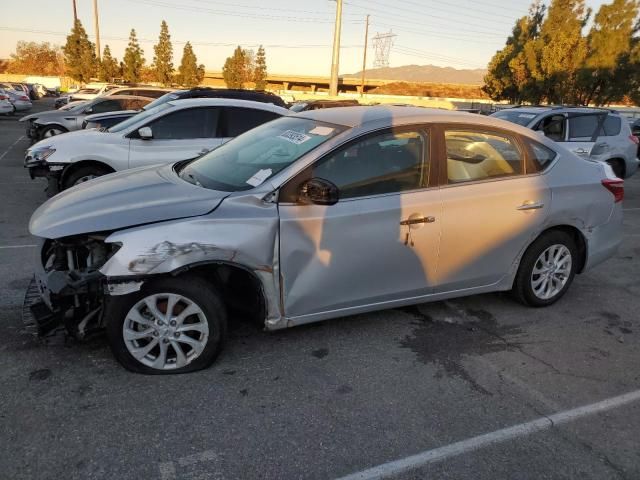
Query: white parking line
point(630, 209)
point(10, 147)
point(499, 436)
point(2, 247)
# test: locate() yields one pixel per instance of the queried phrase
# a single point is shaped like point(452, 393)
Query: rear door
point(179, 135)
point(491, 206)
point(584, 135)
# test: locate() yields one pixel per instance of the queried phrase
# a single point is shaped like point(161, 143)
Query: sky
point(297, 35)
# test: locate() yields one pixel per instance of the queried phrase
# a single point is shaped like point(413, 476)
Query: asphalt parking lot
point(459, 382)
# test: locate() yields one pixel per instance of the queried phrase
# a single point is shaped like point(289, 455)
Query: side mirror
point(89, 110)
point(318, 191)
point(541, 133)
point(145, 133)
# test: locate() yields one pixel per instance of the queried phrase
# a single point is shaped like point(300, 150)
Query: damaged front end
point(67, 290)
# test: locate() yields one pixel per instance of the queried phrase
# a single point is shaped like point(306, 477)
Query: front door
point(180, 135)
point(378, 243)
point(491, 208)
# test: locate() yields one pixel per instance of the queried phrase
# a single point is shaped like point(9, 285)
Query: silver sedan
point(319, 215)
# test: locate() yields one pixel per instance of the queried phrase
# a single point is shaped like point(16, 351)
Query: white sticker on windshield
point(294, 137)
point(527, 115)
point(259, 177)
point(322, 131)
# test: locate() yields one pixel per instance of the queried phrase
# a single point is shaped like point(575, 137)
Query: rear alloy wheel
point(52, 131)
point(618, 167)
point(546, 270)
point(171, 326)
point(83, 174)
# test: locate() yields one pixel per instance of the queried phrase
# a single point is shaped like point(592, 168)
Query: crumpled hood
point(120, 200)
point(47, 115)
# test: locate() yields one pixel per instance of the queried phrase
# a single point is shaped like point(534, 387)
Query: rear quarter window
point(541, 157)
point(612, 126)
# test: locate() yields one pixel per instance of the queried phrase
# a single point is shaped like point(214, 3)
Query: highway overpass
point(303, 83)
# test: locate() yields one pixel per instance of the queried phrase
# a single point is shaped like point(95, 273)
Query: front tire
point(172, 325)
point(52, 131)
point(546, 270)
point(83, 174)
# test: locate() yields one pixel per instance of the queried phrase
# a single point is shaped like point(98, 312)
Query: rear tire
point(83, 174)
point(546, 270)
point(158, 343)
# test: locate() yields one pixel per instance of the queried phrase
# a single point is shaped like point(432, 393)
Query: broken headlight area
point(68, 288)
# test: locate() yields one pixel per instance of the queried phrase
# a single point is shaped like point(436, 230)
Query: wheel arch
point(620, 161)
point(75, 166)
point(577, 236)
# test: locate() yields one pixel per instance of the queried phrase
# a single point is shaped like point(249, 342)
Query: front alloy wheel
point(165, 331)
point(172, 325)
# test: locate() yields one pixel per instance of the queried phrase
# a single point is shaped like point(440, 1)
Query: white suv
point(167, 133)
point(594, 133)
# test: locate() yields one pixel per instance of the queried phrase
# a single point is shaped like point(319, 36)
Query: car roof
point(227, 102)
point(397, 115)
point(538, 109)
point(123, 97)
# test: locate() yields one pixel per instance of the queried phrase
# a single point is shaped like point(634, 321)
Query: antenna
point(382, 44)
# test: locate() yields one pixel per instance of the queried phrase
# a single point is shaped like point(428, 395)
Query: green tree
point(607, 69)
point(163, 56)
point(509, 75)
point(133, 59)
point(188, 72)
point(79, 52)
point(237, 68)
point(562, 50)
point(36, 58)
point(260, 70)
point(109, 66)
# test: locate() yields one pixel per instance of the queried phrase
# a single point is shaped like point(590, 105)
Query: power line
point(188, 8)
point(181, 42)
point(490, 16)
point(289, 10)
point(431, 16)
point(425, 33)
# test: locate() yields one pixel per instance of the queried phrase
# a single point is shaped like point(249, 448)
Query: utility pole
point(364, 57)
point(75, 12)
point(97, 27)
point(335, 61)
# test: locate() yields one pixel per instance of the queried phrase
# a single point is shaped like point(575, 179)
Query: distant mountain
point(426, 73)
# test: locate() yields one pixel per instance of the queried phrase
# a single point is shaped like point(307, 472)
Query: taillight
point(616, 187)
point(634, 139)
point(24, 97)
point(4, 97)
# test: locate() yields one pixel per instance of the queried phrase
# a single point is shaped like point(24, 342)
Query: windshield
point(167, 97)
point(73, 107)
point(521, 118)
point(87, 90)
point(248, 160)
point(138, 117)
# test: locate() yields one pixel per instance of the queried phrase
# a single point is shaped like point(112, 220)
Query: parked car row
point(285, 223)
point(19, 100)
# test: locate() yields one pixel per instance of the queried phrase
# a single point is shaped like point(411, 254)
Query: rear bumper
point(604, 240)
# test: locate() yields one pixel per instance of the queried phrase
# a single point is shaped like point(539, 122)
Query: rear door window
point(240, 120)
point(477, 155)
point(582, 127)
point(554, 127)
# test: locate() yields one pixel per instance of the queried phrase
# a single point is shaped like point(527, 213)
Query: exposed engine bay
point(68, 290)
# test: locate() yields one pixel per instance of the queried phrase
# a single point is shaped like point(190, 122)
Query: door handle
point(581, 151)
point(531, 206)
point(417, 220)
